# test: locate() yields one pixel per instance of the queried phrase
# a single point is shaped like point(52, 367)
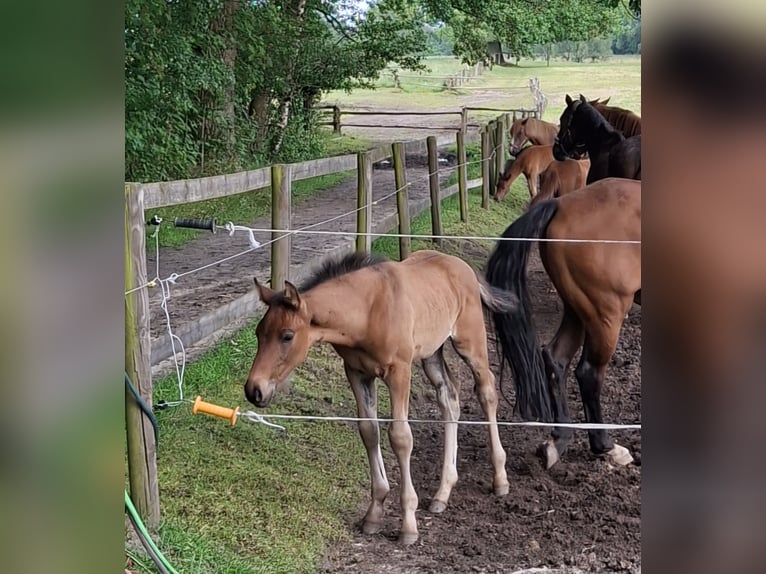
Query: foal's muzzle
point(259, 394)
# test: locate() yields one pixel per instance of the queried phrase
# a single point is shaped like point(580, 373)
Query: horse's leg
point(474, 352)
point(400, 436)
point(366, 396)
point(600, 344)
point(447, 392)
point(533, 181)
point(558, 356)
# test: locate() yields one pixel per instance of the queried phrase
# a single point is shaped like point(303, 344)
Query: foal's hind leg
point(558, 356)
point(366, 396)
point(473, 351)
point(447, 392)
point(599, 346)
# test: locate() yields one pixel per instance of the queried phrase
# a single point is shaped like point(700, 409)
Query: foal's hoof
point(437, 506)
point(549, 453)
point(619, 455)
point(502, 489)
point(407, 539)
point(371, 527)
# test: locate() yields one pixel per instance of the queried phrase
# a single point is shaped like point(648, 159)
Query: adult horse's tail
point(516, 339)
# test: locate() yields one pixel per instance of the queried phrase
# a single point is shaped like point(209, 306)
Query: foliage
point(519, 25)
point(218, 85)
point(628, 40)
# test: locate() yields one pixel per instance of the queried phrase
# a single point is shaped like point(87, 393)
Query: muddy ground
point(582, 515)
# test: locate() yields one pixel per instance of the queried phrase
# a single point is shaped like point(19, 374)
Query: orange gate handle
point(215, 410)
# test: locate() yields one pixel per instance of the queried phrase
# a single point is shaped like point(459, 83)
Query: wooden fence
point(140, 352)
point(461, 123)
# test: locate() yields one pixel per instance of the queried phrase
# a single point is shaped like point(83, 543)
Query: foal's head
point(283, 342)
point(570, 141)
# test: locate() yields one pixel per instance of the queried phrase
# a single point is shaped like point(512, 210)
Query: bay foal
point(380, 316)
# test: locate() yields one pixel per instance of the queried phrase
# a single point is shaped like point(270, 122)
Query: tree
point(219, 85)
point(519, 25)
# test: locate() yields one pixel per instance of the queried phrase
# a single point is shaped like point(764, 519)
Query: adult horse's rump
point(597, 284)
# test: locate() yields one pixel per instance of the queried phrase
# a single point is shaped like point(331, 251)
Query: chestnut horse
point(532, 130)
point(561, 177)
point(380, 316)
point(626, 121)
point(583, 129)
point(531, 161)
point(597, 284)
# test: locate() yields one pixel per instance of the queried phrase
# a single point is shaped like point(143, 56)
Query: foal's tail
point(497, 300)
point(516, 339)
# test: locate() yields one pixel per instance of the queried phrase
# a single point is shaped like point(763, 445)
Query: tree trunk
point(258, 110)
point(284, 111)
point(230, 59)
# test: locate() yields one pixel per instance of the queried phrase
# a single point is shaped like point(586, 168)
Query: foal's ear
point(292, 298)
point(266, 294)
point(582, 98)
point(524, 121)
point(568, 100)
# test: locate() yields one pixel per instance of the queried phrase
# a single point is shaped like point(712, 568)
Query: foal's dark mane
point(335, 267)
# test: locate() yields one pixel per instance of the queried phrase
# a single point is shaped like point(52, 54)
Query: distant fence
point(141, 352)
point(449, 81)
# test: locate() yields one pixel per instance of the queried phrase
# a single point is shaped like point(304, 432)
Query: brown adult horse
point(561, 177)
point(532, 130)
point(597, 283)
point(626, 121)
point(380, 316)
point(531, 161)
point(583, 129)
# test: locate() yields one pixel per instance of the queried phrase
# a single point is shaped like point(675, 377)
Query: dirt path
point(582, 515)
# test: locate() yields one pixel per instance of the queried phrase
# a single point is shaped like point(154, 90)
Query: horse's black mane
point(594, 116)
point(335, 267)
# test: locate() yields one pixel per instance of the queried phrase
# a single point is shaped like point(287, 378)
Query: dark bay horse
point(530, 161)
point(561, 177)
point(380, 316)
point(532, 130)
point(584, 129)
point(597, 284)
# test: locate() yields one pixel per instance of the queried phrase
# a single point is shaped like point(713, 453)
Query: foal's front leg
point(366, 396)
point(400, 436)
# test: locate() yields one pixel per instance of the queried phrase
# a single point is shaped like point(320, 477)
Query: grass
point(506, 86)
point(249, 499)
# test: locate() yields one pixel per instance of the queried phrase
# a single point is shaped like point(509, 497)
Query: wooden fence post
point(485, 161)
point(492, 132)
point(402, 200)
point(433, 180)
point(364, 201)
point(281, 192)
point(336, 120)
point(462, 176)
point(463, 119)
point(141, 441)
point(499, 148)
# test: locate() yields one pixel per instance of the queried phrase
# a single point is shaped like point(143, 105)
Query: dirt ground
point(582, 515)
